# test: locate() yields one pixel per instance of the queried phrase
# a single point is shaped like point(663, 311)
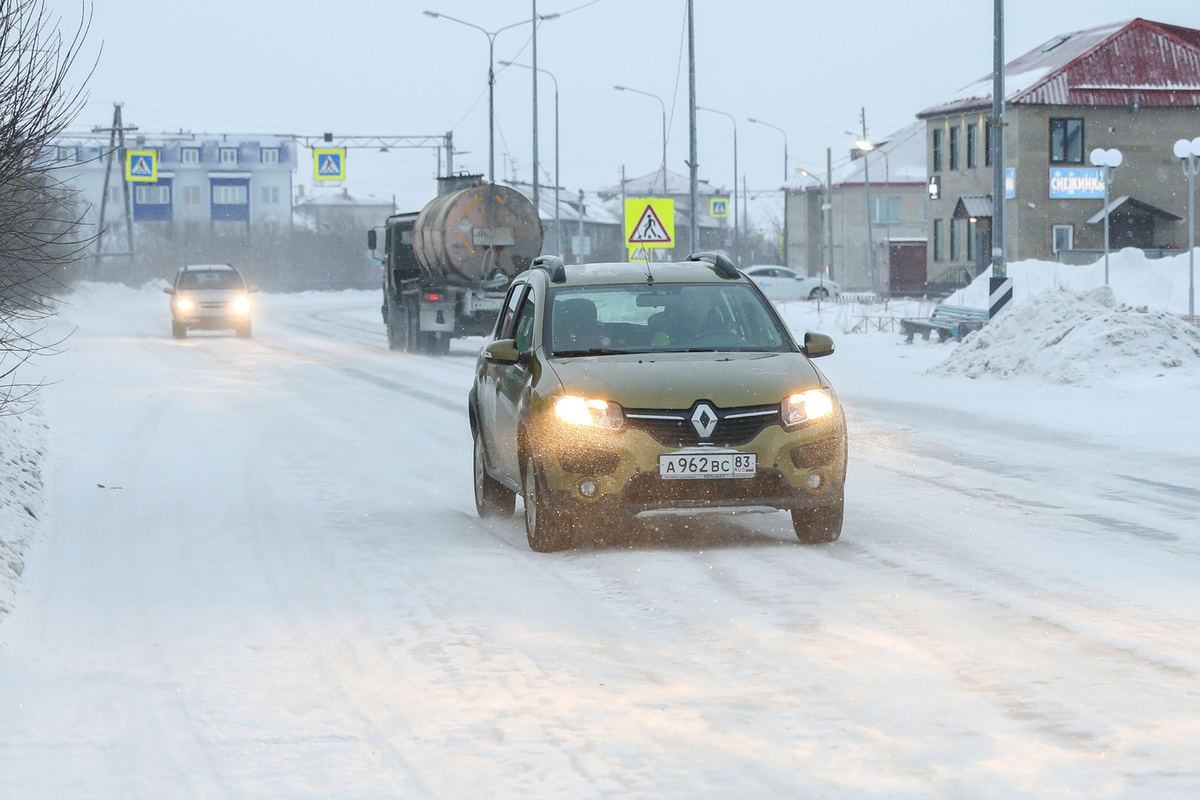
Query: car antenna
point(649, 274)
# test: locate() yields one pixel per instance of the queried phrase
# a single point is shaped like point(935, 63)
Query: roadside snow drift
point(1077, 338)
point(22, 450)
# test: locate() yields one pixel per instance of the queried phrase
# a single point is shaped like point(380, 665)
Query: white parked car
point(781, 284)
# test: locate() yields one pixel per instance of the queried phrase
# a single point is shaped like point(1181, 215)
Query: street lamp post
point(664, 128)
point(869, 147)
point(1108, 160)
point(736, 232)
point(1188, 153)
point(557, 176)
point(491, 37)
point(785, 179)
point(781, 130)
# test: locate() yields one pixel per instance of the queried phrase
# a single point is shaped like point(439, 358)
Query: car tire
point(242, 331)
point(492, 498)
point(819, 293)
point(547, 527)
point(396, 326)
point(818, 525)
point(178, 331)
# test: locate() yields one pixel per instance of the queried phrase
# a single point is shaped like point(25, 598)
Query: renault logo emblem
point(704, 420)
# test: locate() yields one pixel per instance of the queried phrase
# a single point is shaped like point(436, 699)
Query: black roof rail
point(553, 265)
point(720, 263)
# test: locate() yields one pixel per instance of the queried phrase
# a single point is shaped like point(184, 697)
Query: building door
point(1130, 230)
point(907, 268)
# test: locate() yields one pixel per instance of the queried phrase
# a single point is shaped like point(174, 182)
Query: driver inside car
point(689, 320)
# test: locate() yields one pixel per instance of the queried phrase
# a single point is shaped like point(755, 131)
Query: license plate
point(684, 466)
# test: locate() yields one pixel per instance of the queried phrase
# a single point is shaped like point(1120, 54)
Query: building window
point(972, 144)
point(67, 154)
point(270, 155)
point(987, 144)
point(954, 148)
point(885, 210)
point(229, 155)
point(270, 195)
point(152, 195)
point(1064, 238)
point(1066, 141)
point(191, 195)
point(937, 150)
point(938, 246)
point(190, 155)
point(230, 195)
point(955, 224)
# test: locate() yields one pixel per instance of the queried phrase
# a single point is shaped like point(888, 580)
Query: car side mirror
point(503, 351)
point(252, 289)
point(169, 290)
point(817, 345)
point(371, 239)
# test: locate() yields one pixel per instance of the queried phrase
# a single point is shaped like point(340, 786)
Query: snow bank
point(1083, 338)
point(22, 452)
point(1160, 284)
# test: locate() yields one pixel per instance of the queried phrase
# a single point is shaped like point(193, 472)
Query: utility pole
point(534, 23)
point(693, 233)
point(1001, 286)
point(116, 151)
point(579, 253)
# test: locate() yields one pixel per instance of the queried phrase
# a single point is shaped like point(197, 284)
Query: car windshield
point(663, 318)
point(210, 279)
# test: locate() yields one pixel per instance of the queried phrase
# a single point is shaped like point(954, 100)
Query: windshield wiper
point(592, 351)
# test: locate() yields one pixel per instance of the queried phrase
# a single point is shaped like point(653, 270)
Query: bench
point(946, 321)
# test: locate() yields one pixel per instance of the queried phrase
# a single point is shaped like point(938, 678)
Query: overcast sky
point(381, 67)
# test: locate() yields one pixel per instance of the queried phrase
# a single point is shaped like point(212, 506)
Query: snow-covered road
point(262, 576)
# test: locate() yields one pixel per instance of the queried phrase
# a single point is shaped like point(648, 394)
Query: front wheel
point(818, 525)
point(547, 528)
point(243, 330)
point(492, 498)
point(178, 331)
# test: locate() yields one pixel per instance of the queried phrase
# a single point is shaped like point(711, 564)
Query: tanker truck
point(446, 268)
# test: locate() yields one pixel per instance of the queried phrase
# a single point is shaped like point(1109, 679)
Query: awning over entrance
point(1131, 205)
point(973, 206)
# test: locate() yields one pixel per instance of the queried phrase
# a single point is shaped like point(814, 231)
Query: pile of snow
point(1160, 284)
point(1077, 338)
point(22, 452)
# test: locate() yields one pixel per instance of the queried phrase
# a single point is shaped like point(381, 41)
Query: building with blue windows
point(218, 183)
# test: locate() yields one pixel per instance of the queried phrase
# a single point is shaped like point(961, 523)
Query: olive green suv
point(607, 391)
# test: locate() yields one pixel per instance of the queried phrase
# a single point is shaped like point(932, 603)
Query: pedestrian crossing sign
point(718, 207)
point(649, 222)
point(141, 165)
point(329, 164)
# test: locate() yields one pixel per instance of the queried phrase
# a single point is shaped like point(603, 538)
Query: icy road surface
point(262, 576)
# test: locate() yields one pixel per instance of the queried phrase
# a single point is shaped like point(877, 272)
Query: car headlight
point(184, 304)
point(589, 412)
point(241, 304)
point(806, 406)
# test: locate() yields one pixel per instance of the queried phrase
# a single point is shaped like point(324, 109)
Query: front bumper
point(623, 466)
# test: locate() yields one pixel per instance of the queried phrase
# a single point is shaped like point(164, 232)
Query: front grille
point(218, 304)
point(674, 428)
point(649, 489)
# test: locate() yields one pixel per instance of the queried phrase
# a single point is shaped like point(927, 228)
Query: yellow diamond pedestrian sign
point(649, 222)
point(329, 164)
point(141, 165)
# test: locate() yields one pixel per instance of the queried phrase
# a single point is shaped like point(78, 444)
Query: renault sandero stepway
point(608, 391)
point(209, 297)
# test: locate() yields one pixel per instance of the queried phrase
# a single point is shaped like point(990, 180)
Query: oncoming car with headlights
point(614, 390)
point(209, 297)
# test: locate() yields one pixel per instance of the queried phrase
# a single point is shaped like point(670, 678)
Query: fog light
point(588, 488)
point(814, 481)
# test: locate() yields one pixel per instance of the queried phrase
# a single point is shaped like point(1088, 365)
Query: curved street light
point(1108, 160)
point(491, 37)
point(1188, 153)
point(664, 128)
point(557, 180)
point(781, 130)
point(736, 230)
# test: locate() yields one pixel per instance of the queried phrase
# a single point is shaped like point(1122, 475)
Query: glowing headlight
point(184, 304)
point(595, 413)
point(241, 304)
point(810, 405)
